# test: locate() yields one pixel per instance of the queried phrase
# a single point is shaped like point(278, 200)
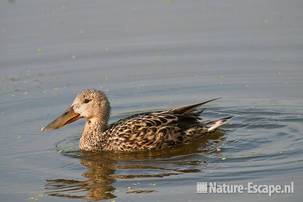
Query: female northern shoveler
point(139, 132)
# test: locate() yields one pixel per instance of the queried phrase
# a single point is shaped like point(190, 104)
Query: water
point(150, 55)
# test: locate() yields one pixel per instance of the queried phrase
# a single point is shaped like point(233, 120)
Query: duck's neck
point(92, 138)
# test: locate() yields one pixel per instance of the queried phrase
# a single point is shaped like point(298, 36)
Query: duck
point(155, 130)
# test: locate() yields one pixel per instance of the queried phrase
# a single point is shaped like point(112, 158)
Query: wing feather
point(187, 109)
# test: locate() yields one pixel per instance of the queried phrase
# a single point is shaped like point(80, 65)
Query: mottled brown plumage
point(140, 132)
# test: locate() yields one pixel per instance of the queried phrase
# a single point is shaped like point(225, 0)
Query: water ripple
point(256, 143)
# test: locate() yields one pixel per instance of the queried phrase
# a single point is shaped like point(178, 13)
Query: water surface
point(150, 55)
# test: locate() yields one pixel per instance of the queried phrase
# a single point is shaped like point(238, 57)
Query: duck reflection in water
point(97, 184)
point(103, 169)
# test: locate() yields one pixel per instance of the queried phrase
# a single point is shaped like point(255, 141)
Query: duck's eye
point(86, 101)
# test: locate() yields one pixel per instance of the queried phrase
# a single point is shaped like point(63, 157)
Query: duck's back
point(159, 130)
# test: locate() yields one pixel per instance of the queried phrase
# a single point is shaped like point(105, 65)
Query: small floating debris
point(36, 197)
point(39, 50)
point(138, 191)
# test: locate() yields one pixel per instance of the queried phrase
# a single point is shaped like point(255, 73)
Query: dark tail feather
point(198, 112)
point(213, 125)
point(190, 108)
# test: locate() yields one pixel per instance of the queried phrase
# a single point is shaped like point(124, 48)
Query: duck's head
point(90, 104)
